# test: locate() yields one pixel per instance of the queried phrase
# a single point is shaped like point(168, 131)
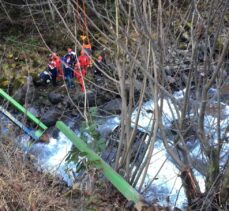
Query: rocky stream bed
point(162, 185)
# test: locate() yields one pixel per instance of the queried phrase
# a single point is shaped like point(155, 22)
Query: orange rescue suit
point(59, 67)
point(79, 74)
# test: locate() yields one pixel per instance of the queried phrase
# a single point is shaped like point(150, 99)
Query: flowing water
point(162, 181)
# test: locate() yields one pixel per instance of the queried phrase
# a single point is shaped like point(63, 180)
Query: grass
point(22, 187)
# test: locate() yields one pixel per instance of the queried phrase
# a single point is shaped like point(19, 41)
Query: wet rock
point(55, 98)
point(91, 98)
point(50, 117)
point(44, 138)
point(113, 106)
point(54, 133)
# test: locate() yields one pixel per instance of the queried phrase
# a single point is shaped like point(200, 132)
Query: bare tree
point(164, 46)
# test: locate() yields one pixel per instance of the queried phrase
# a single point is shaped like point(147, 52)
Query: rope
point(79, 19)
point(82, 19)
point(85, 22)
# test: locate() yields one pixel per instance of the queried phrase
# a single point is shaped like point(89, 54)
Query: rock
point(113, 106)
point(59, 106)
point(26, 92)
point(37, 80)
point(75, 113)
point(137, 85)
point(44, 138)
point(189, 131)
point(66, 102)
point(50, 117)
point(20, 81)
point(90, 96)
point(4, 83)
point(55, 98)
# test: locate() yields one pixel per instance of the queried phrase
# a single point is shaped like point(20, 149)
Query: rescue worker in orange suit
point(52, 69)
point(88, 51)
point(81, 68)
point(79, 75)
point(83, 62)
point(57, 59)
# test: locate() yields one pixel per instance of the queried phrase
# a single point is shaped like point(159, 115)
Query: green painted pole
point(22, 109)
point(119, 182)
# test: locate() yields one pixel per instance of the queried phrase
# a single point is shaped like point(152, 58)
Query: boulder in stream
point(91, 99)
point(26, 92)
point(55, 98)
point(113, 106)
point(50, 117)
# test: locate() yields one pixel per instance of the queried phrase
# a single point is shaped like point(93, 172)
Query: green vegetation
point(90, 135)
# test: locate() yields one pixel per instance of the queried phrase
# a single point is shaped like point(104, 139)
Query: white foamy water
point(51, 157)
point(167, 185)
point(170, 112)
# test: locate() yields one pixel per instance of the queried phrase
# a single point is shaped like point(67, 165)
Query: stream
point(162, 183)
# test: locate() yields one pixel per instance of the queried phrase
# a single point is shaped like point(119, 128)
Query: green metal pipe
point(22, 109)
point(119, 182)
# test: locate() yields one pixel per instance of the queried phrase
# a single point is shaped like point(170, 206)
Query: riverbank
point(22, 187)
